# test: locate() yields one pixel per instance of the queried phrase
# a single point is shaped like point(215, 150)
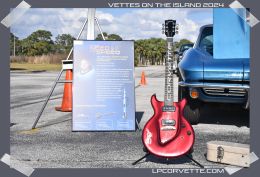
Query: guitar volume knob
point(188, 132)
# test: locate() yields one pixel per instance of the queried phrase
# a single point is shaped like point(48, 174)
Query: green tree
point(14, 40)
point(107, 36)
point(150, 51)
point(114, 37)
point(41, 35)
point(38, 43)
point(64, 43)
point(100, 38)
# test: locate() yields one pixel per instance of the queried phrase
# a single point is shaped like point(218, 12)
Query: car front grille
point(233, 92)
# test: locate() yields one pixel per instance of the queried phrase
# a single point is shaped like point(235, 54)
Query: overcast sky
point(128, 23)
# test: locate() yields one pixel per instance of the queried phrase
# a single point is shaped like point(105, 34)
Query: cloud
point(131, 24)
point(147, 23)
point(58, 21)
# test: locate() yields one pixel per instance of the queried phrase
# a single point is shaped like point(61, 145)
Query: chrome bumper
point(213, 85)
point(219, 85)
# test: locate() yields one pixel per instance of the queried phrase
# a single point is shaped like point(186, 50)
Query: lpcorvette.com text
point(188, 170)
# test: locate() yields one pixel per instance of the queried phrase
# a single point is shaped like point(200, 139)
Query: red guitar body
point(168, 134)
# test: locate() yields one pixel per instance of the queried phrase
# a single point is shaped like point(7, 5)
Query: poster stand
point(68, 64)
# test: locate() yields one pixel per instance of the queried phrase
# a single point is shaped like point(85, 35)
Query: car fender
point(191, 65)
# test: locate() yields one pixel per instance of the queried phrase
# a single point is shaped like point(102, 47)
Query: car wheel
point(192, 113)
point(192, 109)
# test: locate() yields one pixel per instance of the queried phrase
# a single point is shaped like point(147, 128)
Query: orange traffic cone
point(143, 80)
point(66, 105)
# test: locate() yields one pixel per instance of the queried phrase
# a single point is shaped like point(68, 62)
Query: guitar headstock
point(170, 28)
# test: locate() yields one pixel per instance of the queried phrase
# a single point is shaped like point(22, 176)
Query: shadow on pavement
point(171, 161)
point(35, 102)
point(58, 120)
point(224, 114)
point(138, 116)
point(17, 69)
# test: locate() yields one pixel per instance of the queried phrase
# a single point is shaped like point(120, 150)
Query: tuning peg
point(176, 32)
point(163, 32)
point(177, 27)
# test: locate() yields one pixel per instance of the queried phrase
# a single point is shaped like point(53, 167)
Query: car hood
point(226, 70)
point(197, 65)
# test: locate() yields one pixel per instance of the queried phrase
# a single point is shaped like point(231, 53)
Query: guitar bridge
point(168, 128)
point(168, 109)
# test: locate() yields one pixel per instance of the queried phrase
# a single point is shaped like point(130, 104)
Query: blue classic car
point(207, 79)
point(182, 50)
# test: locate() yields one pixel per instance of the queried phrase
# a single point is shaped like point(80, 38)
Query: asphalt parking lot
point(53, 145)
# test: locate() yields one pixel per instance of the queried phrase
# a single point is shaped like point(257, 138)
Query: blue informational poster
point(231, 34)
point(103, 86)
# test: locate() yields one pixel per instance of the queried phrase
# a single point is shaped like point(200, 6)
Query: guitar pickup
point(168, 109)
point(167, 122)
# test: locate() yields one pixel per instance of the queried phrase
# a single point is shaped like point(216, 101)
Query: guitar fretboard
point(171, 81)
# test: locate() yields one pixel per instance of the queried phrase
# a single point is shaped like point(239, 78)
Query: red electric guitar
point(168, 134)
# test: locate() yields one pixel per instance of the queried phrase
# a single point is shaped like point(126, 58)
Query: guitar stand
point(193, 160)
point(189, 157)
point(146, 155)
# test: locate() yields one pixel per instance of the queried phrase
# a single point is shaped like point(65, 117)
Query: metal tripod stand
point(68, 64)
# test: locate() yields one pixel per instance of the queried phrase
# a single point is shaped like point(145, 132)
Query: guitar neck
point(171, 81)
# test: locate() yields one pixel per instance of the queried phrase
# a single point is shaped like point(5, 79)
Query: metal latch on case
point(220, 153)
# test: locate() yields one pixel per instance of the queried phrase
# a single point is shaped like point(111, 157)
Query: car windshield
point(206, 40)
